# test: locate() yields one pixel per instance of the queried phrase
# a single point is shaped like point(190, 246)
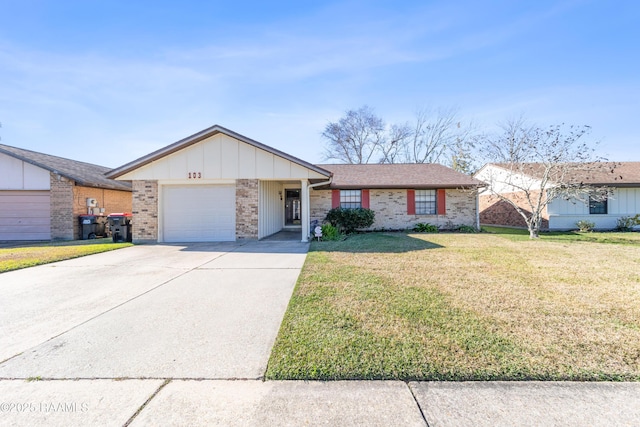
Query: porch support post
point(306, 218)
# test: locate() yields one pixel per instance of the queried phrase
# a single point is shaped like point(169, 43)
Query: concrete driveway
point(206, 311)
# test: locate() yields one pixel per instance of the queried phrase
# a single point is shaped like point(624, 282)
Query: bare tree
point(463, 158)
point(356, 137)
point(538, 165)
point(393, 146)
point(436, 136)
point(515, 142)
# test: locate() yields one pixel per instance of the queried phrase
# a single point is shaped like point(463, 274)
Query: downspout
point(478, 205)
point(478, 211)
point(308, 203)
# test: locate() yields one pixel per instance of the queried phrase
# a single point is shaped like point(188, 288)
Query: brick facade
point(145, 211)
point(494, 211)
point(68, 201)
point(320, 201)
point(111, 201)
point(390, 207)
point(246, 209)
point(62, 225)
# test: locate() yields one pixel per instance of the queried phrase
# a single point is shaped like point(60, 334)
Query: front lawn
point(463, 307)
point(28, 255)
point(623, 238)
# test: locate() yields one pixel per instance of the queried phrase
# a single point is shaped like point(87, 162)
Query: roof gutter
point(306, 213)
point(320, 184)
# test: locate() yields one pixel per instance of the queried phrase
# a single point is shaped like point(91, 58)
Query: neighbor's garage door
point(25, 215)
point(199, 213)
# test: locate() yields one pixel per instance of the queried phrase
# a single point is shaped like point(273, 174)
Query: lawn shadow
point(375, 242)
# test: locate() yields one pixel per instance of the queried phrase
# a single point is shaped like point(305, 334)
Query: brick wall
point(494, 211)
point(246, 209)
point(62, 225)
point(111, 200)
point(320, 203)
point(145, 211)
point(390, 207)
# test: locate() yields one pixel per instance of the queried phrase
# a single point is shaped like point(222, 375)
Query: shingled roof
point(405, 175)
point(614, 174)
point(85, 174)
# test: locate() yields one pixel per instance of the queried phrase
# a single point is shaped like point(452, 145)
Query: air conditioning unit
point(91, 203)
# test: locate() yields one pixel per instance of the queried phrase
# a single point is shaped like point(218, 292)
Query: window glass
point(597, 206)
point(425, 202)
point(350, 199)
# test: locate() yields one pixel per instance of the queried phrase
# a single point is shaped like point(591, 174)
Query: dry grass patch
point(463, 307)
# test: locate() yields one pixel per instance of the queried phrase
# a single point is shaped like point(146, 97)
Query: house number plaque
point(195, 175)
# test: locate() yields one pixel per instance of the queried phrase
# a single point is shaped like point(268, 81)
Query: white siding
point(502, 181)
point(229, 157)
point(625, 202)
point(222, 157)
point(563, 214)
point(568, 222)
point(270, 208)
point(18, 175)
point(568, 207)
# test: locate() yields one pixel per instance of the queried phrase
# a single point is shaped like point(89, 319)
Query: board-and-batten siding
point(270, 209)
point(222, 157)
point(16, 174)
point(563, 214)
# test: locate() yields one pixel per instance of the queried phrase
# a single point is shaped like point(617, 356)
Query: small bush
point(423, 227)
point(584, 225)
point(329, 232)
point(626, 223)
point(463, 228)
point(350, 220)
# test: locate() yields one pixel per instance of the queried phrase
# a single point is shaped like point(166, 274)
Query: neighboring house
point(622, 180)
point(41, 195)
point(218, 185)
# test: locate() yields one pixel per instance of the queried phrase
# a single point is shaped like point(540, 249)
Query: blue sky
point(107, 82)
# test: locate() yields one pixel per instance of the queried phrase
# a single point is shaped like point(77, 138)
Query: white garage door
point(199, 213)
point(25, 215)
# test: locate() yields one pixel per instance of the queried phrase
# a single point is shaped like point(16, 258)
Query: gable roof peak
point(200, 136)
point(83, 173)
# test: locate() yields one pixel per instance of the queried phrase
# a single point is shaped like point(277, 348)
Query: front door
point(292, 213)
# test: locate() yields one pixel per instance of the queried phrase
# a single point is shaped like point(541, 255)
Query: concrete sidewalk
point(294, 403)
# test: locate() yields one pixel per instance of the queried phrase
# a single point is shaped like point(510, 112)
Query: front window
point(350, 199)
point(597, 206)
point(425, 202)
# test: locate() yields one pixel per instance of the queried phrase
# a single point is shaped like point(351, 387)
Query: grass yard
point(28, 255)
point(568, 236)
point(464, 307)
